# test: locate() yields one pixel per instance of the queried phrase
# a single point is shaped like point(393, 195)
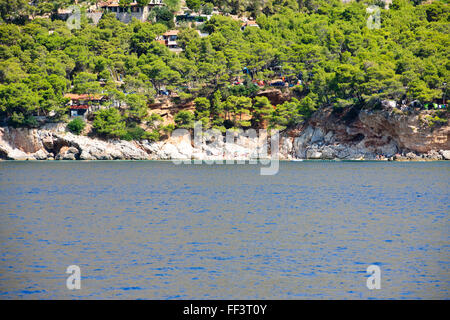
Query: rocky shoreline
point(351, 135)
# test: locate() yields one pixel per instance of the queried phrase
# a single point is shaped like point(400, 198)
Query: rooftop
point(250, 23)
point(74, 96)
point(171, 33)
point(115, 3)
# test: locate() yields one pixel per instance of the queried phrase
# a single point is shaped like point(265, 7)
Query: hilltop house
point(249, 23)
point(135, 10)
point(169, 39)
point(82, 104)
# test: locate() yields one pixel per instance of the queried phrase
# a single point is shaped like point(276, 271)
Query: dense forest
point(323, 48)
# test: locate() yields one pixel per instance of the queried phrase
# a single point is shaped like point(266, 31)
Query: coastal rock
point(181, 139)
point(14, 154)
point(169, 152)
point(86, 156)
point(129, 151)
point(408, 131)
point(151, 148)
point(388, 150)
point(329, 134)
point(329, 137)
point(445, 154)
point(235, 151)
point(41, 154)
point(210, 151)
point(434, 156)
point(369, 134)
point(47, 142)
point(98, 152)
point(411, 156)
point(317, 136)
point(305, 137)
point(328, 153)
point(90, 149)
point(67, 153)
point(286, 148)
point(10, 144)
point(22, 139)
point(313, 154)
point(185, 149)
point(302, 141)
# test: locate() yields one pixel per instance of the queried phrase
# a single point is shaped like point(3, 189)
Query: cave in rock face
point(359, 137)
point(351, 116)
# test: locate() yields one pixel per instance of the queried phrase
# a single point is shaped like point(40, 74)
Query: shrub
point(183, 96)
point(109, 122)
point(241, 90)
point(184, 120)
point(154, 121)
point(152, 136)
point(76, 126)
point(133, 133)
point(435, 121)
point(20, 120)
point(137, 133)
point(168, 129)
point(291, 113)
point(298, 90)
point(306, 106)
point(245, 124)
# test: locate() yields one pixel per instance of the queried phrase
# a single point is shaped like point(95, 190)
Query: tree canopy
point(324, 47)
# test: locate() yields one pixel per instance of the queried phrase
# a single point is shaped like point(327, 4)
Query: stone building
point(135, 10)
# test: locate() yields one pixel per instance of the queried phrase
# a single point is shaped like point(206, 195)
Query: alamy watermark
point(374, 280)
point(73, 282)
point(374, 19)
point(74, 20)
point(234, 147)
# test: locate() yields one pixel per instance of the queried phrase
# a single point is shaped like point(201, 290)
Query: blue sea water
point(155, 230)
